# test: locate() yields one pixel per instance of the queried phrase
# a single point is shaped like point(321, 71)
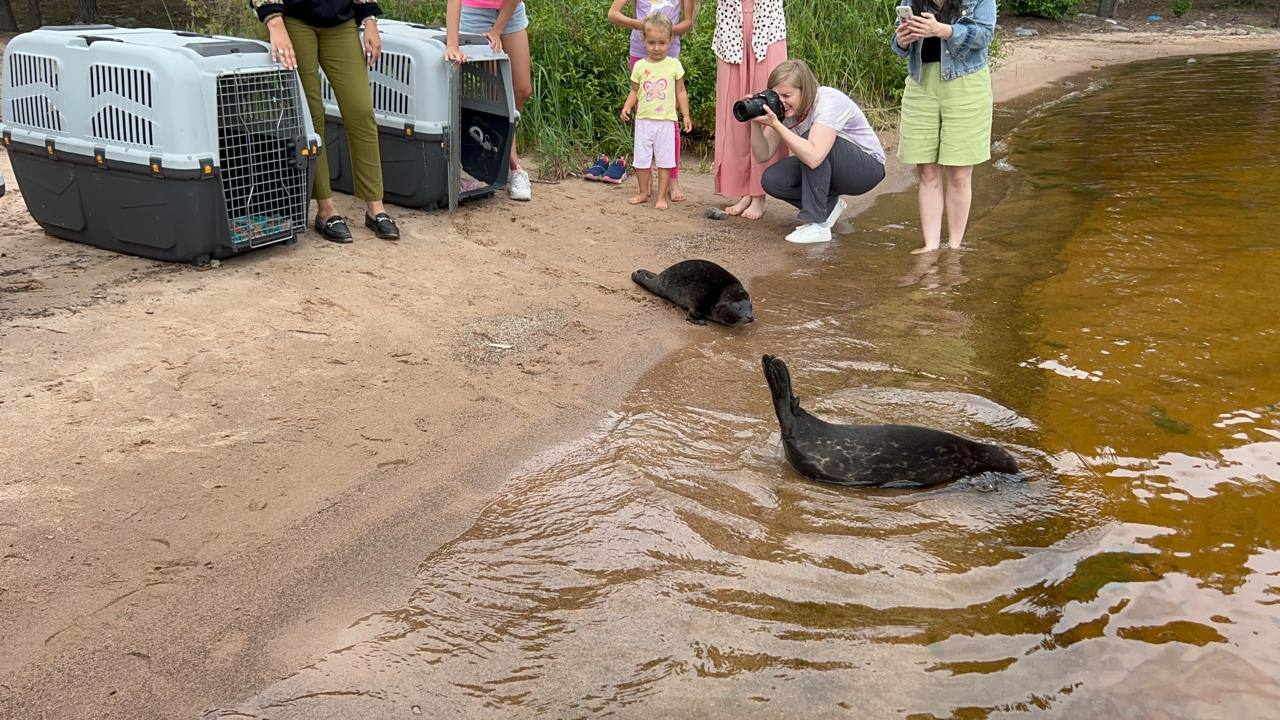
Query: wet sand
point(206, 477)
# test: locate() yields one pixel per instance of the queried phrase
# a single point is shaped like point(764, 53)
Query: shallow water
point(1113, 325)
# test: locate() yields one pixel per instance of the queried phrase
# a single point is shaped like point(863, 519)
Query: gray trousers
point(847, 170)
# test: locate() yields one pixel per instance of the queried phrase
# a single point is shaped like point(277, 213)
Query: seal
point(706, 290)
point(889, 456)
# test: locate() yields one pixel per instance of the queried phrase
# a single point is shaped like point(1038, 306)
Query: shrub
point(1181, 7)
point(1053, 9)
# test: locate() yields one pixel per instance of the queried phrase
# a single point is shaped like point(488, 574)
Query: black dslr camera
point(753, 107)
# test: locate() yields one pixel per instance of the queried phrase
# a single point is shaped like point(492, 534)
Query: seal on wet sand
point(706, 290)
point(889, 456)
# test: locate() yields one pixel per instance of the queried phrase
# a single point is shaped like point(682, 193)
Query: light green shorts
point(948, 123)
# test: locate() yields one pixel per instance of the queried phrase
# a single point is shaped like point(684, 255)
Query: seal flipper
point(694, 318)
point(785, 403)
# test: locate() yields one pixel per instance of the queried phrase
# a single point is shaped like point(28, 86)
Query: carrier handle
point(91, 39)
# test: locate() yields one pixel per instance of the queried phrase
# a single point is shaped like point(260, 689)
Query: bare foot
point(639, 199)
point(954, 244)
point(755, 210)
point(677, 195)
point(661, 204)
point(925, 249)
point(738, 207)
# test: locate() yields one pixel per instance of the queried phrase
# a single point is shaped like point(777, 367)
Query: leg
point(931, 199)
point(344, 65)
point(516, 46)
point(783, 180)
point(959, 196)
point(677, 195)
point(307, 49)
point(664, 186)
point(643, 177)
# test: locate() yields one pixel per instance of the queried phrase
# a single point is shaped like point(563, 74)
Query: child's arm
point(682, 99)
point(632, 98)
point(452, 19)
point(689, 8)
point(623, 21)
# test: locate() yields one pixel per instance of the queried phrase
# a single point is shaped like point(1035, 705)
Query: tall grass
point(580, 66)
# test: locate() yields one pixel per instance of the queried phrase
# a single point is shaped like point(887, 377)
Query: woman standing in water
point(946, 107)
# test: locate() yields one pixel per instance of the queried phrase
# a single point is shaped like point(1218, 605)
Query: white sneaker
point(835, 214)
point(518, 186)
point(811, 233)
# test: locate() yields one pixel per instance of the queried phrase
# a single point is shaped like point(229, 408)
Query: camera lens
point(752, 107)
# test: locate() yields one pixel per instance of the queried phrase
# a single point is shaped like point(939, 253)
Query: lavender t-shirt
point(670, 8)
point(835, 110)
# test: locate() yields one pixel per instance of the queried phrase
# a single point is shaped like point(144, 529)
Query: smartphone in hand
point(904, 12)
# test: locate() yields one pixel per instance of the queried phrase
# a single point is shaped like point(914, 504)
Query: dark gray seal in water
point(891, 456)
point(706, 290)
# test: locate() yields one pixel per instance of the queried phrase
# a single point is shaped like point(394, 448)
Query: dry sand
point(206, 475)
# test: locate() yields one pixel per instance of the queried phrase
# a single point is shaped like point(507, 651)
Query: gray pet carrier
point(169, 145)
point(444, 131)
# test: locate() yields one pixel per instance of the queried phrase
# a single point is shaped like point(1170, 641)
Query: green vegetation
point(1053, 9)
point(580, 66)
point(1181, 7)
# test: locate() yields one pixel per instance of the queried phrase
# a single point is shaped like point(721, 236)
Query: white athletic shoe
point(518, 186)
point(811, 233)
point(835, 214)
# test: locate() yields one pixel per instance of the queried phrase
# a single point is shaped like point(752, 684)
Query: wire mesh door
point(261, 141)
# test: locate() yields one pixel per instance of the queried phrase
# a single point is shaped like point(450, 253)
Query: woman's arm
point(688, 9)
point(978, 32)
point(453, 19)
point(623, 21)
point(494, 36)
point(903, 35)
point(682, 99)
point(764, 139)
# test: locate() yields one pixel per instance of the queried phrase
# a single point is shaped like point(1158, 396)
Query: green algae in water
point(1167, 423)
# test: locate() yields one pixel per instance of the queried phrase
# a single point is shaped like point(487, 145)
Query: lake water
point(1112, 323)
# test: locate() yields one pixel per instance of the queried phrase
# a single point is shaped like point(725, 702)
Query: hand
point(905, 35)
point(768, 119)
point(281, 45)
point(625, 115)
point(454, 54)
point(926, 25)
point(372, 42)
point(688, 125)
point(494, 37)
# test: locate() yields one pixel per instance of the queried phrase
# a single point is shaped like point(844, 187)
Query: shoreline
point(211, 475)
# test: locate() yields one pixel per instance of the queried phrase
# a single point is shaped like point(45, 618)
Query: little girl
point(656, 80)
point(681, 14)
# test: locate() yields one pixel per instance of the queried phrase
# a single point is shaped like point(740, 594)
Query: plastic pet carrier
point(169, 145)
point(444, 131)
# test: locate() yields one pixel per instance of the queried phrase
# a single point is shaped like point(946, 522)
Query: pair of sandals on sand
point(608, 171)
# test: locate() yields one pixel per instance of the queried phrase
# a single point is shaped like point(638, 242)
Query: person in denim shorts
point(504, 24)
point(946, 107)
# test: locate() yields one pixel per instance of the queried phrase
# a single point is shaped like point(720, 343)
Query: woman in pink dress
point(750, 41)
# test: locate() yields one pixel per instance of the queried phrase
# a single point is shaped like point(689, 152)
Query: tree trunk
point(1107, 8)
point(34, 20)
point(88, 11)
point(7, 21)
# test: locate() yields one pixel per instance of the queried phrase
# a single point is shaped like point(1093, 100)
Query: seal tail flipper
point(785, 403)
point(646, 280)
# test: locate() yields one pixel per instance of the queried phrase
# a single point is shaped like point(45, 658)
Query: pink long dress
point(736, 172)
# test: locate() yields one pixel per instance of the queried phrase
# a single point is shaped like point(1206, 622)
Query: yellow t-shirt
point(656, 94)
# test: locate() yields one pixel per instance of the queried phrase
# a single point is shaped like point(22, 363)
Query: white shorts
point(655, 144)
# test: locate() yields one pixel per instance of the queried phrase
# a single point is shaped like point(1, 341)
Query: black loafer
point(383, 226)
point(334, 229)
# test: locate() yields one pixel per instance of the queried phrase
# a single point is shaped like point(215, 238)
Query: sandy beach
point(207, 475)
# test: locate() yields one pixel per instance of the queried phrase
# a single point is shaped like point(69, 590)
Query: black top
point(318, 13)
point(931, 50)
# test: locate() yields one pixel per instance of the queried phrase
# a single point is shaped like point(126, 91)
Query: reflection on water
point(1112, 326)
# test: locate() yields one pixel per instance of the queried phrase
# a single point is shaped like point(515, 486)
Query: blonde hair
point(657, 20)
point(797, 74)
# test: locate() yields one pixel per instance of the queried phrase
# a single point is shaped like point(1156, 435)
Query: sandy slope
point(206, 475)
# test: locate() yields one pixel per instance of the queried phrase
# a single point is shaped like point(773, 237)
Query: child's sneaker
point(518, 187)
point(617, 172)
point(596, 171)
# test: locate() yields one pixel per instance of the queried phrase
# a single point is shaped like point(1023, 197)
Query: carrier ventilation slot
point(115, 123)
point(482, 87)
point(261, 138)
point(397, 67)
point(35, 111)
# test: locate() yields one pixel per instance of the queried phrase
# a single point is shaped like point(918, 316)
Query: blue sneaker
point(617, 172)
point(597, 170)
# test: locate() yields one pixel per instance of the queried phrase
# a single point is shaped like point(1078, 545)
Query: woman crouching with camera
point(834, 150)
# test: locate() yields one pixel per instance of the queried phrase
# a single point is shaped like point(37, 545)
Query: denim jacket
point(966, 51)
